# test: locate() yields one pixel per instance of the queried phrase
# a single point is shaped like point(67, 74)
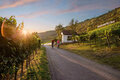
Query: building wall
point(64, 39)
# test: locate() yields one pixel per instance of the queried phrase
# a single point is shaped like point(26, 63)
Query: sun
point(24, 32)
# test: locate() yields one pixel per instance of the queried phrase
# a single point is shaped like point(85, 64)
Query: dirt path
point(65, 65)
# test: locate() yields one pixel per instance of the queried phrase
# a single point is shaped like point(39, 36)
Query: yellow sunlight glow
point(24, 32)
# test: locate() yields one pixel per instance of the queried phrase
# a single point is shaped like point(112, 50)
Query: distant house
point(107, 23)
point(67, 36)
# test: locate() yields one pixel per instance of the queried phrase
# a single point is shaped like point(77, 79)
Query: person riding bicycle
point(53, 43)
point(58, 43)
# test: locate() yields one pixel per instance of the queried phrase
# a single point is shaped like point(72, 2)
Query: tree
point(73, 25)
point(59, 28)
point(71, 22)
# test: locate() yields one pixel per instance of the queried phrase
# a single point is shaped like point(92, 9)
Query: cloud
point(78, 9)
point(75, 6)
point(16, 3)
point(34, 14)
point(80, 5)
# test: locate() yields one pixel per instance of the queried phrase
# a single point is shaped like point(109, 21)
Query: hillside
point(87, 25)
point(48, 35)
point(90, 24)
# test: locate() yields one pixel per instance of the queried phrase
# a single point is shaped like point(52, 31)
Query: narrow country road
point(65, 65)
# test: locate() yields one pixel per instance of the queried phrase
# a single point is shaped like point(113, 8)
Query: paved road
point(65, 65)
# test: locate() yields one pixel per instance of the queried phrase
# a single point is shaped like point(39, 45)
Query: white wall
point(65, 37)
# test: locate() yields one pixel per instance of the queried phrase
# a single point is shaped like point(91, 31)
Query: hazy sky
point(44, 15)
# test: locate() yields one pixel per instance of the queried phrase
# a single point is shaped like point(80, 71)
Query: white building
point(66, 36)
point(107, 23)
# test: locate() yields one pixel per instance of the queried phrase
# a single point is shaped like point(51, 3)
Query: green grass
point(38, 69)
point(101, 55)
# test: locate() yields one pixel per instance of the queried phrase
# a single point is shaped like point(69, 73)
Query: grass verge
point(101, 55)
point(38, 69)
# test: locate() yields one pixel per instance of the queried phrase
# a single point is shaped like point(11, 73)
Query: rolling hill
point(47, 36)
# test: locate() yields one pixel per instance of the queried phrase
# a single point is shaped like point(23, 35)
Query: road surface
point(65, 65)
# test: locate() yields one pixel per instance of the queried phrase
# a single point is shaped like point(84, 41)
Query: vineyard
point(15, 47)
point(101, 45)
point(105, 36)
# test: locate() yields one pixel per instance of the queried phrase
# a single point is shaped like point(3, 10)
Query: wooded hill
point(90, 24)
point(48, 35)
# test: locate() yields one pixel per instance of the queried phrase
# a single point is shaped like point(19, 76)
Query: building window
point(69, 38)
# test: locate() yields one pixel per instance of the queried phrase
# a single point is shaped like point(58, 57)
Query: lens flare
point(24, 32)
point(2, 30)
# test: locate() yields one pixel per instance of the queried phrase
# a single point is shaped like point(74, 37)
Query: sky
point(44, 15)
